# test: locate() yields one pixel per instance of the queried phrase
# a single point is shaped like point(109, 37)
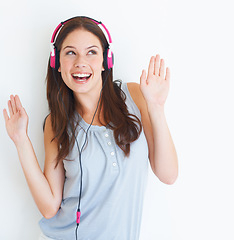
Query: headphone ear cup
point(105, 62)
point(57, 59)
point(111, 60)
point(52, 58)
point(108, 58)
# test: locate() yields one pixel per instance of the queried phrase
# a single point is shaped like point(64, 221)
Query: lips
point(80, 77)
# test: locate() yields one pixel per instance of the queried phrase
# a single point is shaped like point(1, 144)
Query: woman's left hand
point(155, 86)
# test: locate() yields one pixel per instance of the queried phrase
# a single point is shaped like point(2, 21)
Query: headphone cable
point(78, 212)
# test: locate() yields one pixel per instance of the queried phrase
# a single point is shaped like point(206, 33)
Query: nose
point(80, 61)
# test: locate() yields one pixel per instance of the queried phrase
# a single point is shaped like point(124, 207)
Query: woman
point(98, 138)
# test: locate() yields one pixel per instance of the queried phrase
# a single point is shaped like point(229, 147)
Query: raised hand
point(155, 85)
point(17, 122)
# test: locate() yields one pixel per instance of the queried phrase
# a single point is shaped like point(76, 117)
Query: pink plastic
point(78, 217)
point(55, 32)
point(109, 60)
point(107, 33)
point(109, 36)
point(52, 59)
point(52, 54)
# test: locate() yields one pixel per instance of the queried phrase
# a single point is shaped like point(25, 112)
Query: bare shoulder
point(50, 144)
point(48, 132)
point(135, 92)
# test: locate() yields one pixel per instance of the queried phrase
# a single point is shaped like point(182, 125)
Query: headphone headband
point(108, 54)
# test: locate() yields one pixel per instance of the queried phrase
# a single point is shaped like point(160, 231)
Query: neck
point(87, 105)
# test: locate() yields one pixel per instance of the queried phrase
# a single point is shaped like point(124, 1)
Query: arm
point(46, 188)
point(150, 98)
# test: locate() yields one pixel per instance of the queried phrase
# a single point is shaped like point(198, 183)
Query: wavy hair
point(63, 106)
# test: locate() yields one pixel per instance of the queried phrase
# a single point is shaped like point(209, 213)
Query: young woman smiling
point(100, 137)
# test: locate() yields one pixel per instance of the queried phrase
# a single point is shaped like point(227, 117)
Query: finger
point(162, 68)
point(6, 117)
point(10, 108)
point(168, 75)
point(151, 66)
point(157, 65)
point(18, 102)
point(143, 78)
point(14, 109)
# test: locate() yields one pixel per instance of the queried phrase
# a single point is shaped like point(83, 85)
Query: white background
point(196, 40)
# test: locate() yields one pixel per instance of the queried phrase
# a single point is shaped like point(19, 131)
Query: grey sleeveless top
point(113, 187)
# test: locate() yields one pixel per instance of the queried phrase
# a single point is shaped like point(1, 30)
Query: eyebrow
point(92, 46)
point(74, 47)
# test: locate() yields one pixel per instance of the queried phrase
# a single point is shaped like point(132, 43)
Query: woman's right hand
point(17, 122)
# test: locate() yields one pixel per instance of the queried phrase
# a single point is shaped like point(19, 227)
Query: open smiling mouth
point(80, 77)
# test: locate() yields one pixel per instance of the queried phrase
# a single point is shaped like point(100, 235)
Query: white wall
point(196, 40)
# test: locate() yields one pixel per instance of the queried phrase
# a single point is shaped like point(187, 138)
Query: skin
point(82, 53)
point(150, 97)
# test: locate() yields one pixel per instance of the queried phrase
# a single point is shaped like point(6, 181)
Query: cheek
point(64, 71)
point(65, 79)
point(64, 67)
point(63, 62)
point(98, 64)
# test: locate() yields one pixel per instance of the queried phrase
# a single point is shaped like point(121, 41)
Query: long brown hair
point(127, 127)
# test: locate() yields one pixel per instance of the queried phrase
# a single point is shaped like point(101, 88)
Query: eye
point(92, 52)
point(70, 53)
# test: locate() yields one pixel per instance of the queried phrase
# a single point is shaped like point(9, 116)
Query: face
point(81, 62)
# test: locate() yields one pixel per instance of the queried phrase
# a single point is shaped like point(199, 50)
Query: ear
point(59, 69)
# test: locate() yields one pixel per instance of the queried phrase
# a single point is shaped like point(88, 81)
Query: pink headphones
point(108, 54)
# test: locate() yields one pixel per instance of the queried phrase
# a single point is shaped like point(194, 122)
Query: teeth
point(81, 75)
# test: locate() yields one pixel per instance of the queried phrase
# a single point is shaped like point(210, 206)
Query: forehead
point(81, 38)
